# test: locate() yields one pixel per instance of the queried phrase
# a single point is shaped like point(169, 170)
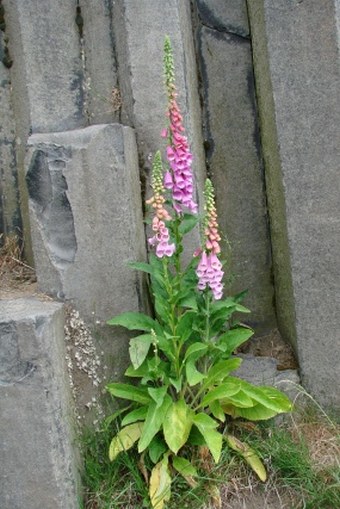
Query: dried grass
point(15, 274)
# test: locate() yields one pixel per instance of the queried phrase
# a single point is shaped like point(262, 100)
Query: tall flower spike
point(209, 269)
point(179, 179)
point(161, 237)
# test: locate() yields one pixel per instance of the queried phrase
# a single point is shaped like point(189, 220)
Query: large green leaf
point(160, 484)
point(134, 321)
point(249, 455)
point(130, 392)
point(139, 414)
point(213, 438)
point(268, 397)
point(219, 371)
point(125, 439)
point(156, 448)
point(256, 413)
point(153, 422)
point(228, 388)
point(229, 341)
point(177, 425)
point(139, 348)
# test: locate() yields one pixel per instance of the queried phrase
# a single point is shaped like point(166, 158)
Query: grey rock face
point(103, 96)
point(297, 73)
point(87, 224)
point(225, 16)
point(234, 161)
point(10, 219)
point(86, 216)
point(47, 67)
point(38, 468)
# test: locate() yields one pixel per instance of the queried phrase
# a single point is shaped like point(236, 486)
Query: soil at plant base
point(272, 345)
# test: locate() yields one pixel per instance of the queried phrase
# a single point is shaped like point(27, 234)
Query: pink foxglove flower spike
point(179, 179)
point(209, 269)
point(161, 238)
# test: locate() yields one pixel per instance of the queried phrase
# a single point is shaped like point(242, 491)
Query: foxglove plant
point(184, 355)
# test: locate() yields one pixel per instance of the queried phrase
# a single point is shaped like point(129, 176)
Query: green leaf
point(242, 309)
point(268, 397)
point(256, 413)
point(114, 416)
point(249, 455)
point(188, 301)
point(240, 400)
point(188, 223)
point(194, 348)
point(162, 308)
point(186, 469)
point(139, 348)
point(130, 392)
point(142, 371)
point(184, 327)
point(183, 466)
point(177, 383)
point(219, 371)
point(134, 321)
point(158, 394)
point(234, 338)
point(228, 388)
point(153, 422)
point(138, 414)
point(125, 439)
point(160, 484)
point(194, 376)
point(143, 267)
point(177, 425)
point(156, 448)
point(216, 410)
point(213, 438)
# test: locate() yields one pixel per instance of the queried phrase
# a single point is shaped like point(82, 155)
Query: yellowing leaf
point(249, 455)
point(125, 439)
point(177, 425)
point(160, 484)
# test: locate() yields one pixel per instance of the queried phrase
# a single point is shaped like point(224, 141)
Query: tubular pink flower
point(178, 153)
point(161, 237)
point(209, 269)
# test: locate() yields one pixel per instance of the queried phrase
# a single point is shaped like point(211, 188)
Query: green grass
point(309, 482)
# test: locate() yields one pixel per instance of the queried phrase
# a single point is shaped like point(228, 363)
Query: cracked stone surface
point(38, 466)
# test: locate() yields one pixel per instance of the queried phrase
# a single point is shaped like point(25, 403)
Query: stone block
point(10, 218)
point(140, 29)
point(102, 91)
point(257, 370)
point(296, 57)
point(38, 466)
point(230, 17)
point(47, 69)
point(87, 222)
point(235, 164)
